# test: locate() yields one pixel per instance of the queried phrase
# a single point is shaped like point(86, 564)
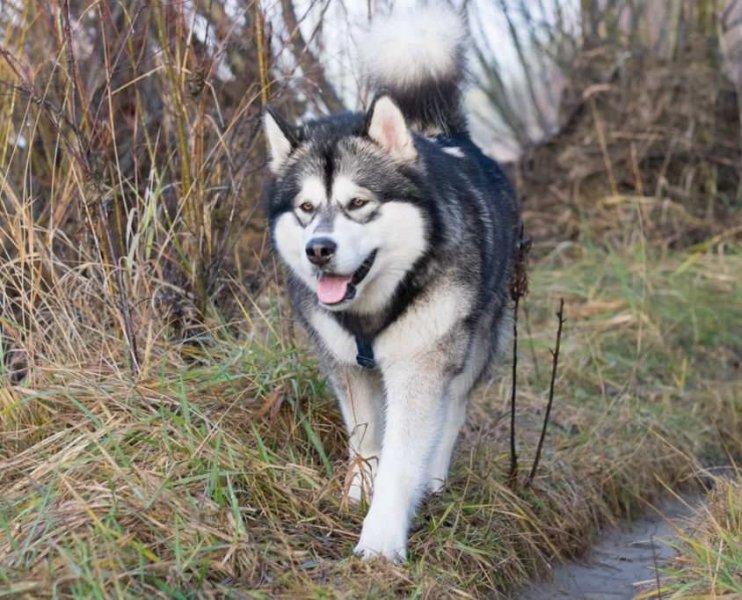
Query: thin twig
point(122, 302)
point(513, 473)
point(554, 364)
point(600, 131)
point(114, 252)
point(71, 64)
point(262, 53)
point(518, 289)
point(310, 64)
point(525, 65)
point(527, 315)
point(656, 568)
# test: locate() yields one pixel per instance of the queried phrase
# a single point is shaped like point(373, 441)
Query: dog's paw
point(382, 540)
point(396, 555)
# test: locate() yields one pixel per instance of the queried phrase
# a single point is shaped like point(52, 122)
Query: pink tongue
point(331, 289)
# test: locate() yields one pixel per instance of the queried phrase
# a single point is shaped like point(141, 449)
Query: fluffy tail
point(418, 59)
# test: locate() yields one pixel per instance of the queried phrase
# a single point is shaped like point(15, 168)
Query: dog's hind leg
point(457, 399)
point(441, 458)
point(360, 394)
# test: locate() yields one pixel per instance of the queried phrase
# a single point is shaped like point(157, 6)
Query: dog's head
point(346, 204)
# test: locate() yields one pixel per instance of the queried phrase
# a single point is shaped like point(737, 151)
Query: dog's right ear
point(385, 125)
point(282, 138)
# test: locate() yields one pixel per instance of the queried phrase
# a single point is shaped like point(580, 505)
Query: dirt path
point(620, 560)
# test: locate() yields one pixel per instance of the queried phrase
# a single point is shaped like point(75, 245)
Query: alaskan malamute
point(398, 235)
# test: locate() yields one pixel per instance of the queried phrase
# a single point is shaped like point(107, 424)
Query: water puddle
point(623, 560)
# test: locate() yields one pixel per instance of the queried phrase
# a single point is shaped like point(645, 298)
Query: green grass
point(220, 469)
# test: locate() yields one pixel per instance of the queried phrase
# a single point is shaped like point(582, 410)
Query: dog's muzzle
point(333, 289)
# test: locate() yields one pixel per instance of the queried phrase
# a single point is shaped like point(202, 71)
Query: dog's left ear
point(387, 127)
point(282, 138)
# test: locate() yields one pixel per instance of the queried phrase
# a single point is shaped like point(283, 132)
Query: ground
point(219, 469)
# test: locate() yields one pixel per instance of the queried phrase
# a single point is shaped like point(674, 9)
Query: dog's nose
point(320, 251)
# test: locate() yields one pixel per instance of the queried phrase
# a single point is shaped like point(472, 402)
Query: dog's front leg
point(413, 420)
point(361, 397)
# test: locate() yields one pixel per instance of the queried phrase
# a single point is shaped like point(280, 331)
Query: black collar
point(365, 354)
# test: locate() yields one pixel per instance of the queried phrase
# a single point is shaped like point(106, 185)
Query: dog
point(398, 236)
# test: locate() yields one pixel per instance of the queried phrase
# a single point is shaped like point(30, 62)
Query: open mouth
point(334, 289)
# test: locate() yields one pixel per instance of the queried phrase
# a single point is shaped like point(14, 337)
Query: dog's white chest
point(338, 342)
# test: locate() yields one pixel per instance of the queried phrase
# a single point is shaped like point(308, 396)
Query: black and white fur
point(403, 190)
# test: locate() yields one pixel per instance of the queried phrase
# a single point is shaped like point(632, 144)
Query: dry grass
point(709, 564)
point(163, 431)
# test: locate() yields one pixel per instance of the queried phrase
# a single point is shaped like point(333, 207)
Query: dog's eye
point(307, 207)
point(358, 203)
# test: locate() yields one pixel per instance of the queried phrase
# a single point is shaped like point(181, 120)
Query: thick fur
point(418, 58)
point(401, 188)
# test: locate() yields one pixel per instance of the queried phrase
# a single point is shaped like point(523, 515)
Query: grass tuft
point(709, 564)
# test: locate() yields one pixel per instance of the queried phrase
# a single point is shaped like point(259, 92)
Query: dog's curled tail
point(418, 59)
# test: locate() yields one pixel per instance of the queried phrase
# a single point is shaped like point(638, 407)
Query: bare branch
point(518, 289)
point(554, 364)
point(308, 62)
